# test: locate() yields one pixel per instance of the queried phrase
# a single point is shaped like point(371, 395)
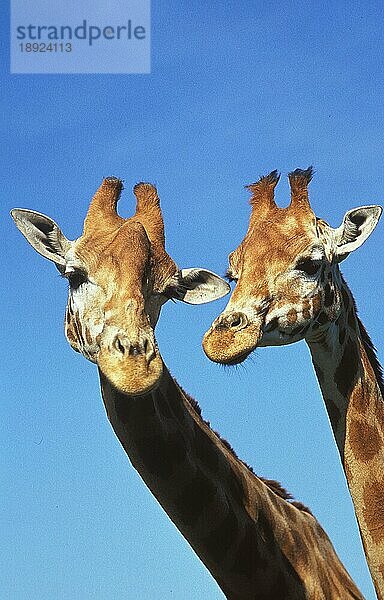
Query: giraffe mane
point(273, 485)
point(369, 346)
point(372, 356)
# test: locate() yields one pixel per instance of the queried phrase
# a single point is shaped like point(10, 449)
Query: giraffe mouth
point(134, 375)
point(229, 347)
point(236, 360)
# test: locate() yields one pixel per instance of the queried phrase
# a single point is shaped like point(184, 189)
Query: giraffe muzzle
point(133, 366)
point(231, 338)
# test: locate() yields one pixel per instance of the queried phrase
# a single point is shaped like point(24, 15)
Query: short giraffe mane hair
point(369, 347)
point(273, 485)
point(372, 356)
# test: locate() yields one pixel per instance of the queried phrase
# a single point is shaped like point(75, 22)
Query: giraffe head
point(288, 283)
point(119, 276)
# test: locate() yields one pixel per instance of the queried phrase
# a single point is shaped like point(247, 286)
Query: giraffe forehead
point(278, 230)
point(280, 235)
point(271, 252)
point(123, 252)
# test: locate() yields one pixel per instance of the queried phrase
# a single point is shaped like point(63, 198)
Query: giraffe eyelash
point(76, 278)
point(308, 266)
point(229, 276)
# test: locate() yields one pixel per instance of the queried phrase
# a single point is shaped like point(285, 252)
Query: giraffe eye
point(76, 278)
point(308, 266)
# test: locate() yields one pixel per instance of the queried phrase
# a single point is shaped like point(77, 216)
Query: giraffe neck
point(254, 542)
point(351, 383)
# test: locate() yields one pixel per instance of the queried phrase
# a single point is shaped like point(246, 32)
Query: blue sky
point(236, 90)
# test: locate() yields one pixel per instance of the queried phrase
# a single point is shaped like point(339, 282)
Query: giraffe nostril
point(137, 348)
point(124, 346)
point(119, 345)
point(236, 321)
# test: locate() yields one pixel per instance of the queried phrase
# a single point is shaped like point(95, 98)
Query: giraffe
point(289, 287)
point(255, 541)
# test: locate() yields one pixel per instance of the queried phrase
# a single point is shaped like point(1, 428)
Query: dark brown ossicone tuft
point(263, 190)
point(299, 180)
point(302, 174)
point(114, 182)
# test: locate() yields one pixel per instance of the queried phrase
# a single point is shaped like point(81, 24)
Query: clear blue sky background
point(237, 89)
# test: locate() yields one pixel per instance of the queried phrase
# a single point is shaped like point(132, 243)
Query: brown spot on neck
point(373, 510)
point(306, 311)
point(364, 440)
point(352, 319)
point(359, 399)
point(328, 295)
point(347, 371)
point(292, 316)
point(342, 334)
point(88, 337)
point(346, 297)
point(316, 304)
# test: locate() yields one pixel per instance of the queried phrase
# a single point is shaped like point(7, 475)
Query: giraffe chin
point(229, 347)
point(133, 376)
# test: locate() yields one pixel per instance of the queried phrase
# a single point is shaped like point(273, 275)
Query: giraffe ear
point(43, 234)
point(356, 227)
point(197, 286)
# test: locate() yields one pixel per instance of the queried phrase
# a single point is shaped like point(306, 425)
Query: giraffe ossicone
point(288, 287)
